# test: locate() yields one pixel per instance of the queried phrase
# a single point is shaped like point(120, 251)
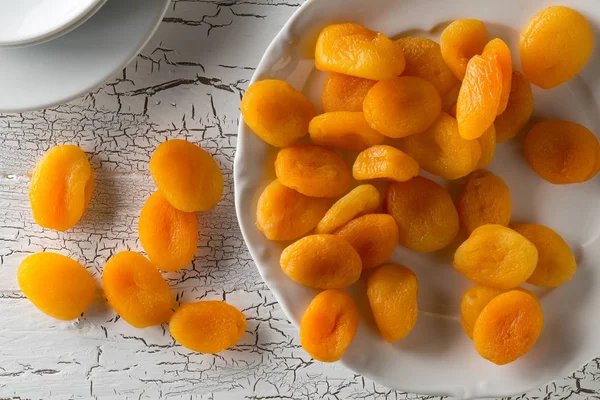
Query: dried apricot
point(343, 130)
point(519, 109)
point(424, 212)
point(169, 236)
point(562, 152)
point(207, 326)
point(556, 262)
point(313, 171)
point(549, 56)
point(496, 256)
point(329, 325)
point(188, 176)
point(402, 106)
point(472, 304)
point(321, 262)
point(344, 92)
point(361, 200)
point(136, 290)
point(508, 327)
point(392, 291)
point(56, 285)
point(487, 141)
point(352, 49)
point(497, 49)
point(276, 112)
point(460, 41)
point(384, 162)
point(61, 187)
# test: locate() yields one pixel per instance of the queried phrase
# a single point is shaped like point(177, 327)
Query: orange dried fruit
point(344, 92)
point(460, 41)
point(496, 48)
point(361, 200)
point(343, 130)
point(384, 162)
point(487, 141)
point(518, 111)
point(472, 304)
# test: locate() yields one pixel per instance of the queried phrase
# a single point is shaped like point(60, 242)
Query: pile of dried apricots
point(405, 105)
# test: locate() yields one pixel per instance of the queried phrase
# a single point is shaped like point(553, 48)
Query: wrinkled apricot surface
point(57, 285)
point(322, 262)
point(207, 326)
point(276, 112)
point(188, 176)
point(424, 212)
point(549, 56)
point(460, 41)
point(392, 290)
point(313, 171)
point(472, 304)
point(487, 141)
point(329, 325)
point(343, 130)
point(136, 290)
point(497, 49)
point(352, 49)
point(344, 92)
point(61, 187)
point(384, 162)
point(518, 110)
point(496, 256)
point(363, 199)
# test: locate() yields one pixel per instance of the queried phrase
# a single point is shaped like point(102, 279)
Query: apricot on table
point(56, 285)
point(276, 112)
point(61, 187)
point(363, 199)
point(384, 162)
point(344, 92)
point(460, 41)
point(518, 110)
point(472, 304)
point(496, 48)
point(343, 130)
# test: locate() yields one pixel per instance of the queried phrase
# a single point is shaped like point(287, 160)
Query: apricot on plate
point(61, 187)
point(424, 212)
point(550, 57)
point(343, 130)
point(472, 304)
point(321, 261)
point(352, 49)
point(402, 106)
point(487, 141)
point(363, 199)
point(276, 112)
point(373, 236)
point(188, 176)
point(344, 92)
point(556, 262)
point(329, 325)
point(392, 290)
point(496, 256)
point(460, 41)
point(508, 326)
point(485, 199)
point(207, 326)
point(496, 48)
point(56, 285)
point(313, 171)
point(518, 110)
point(384, 162)
point(562, 152)
point(136, 290)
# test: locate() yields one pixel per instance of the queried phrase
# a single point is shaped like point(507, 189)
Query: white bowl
point(437, 358)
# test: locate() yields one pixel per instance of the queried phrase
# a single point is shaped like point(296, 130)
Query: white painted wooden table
point(186, 83)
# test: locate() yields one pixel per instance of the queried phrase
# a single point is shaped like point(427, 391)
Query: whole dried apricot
point(497, 49)
point(487, 141)
point(188, 176)
point(276, 112)
point(518, 110)
point(344, 92)
point(329, 325)
point(384, 162)
point(343, 130)
point(56, 285)
point(472, 304)
point(361, 200)
point(207, 326)
point(61, 187)
point(460, 41)
point(424, 212)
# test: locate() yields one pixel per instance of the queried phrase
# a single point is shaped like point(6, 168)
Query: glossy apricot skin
point(354, 50)
point(136, 290)
point(496, 256)
point(508, 327)
point(276, 112)
point(61, 187)
point(284, 214)
point(472, 304)
point(313, 171)
point(548, 56)
point(384, 162)
point(321, 261)
point(392, 290)
point(556, 262)
point(56, 285)
point(460, 41)
point(328, 325)
point(343, 130)
point(344, 92)
point(518, 110)
point(207, 326)
point(188, 176)
point(373, 236)
point(487, 141)
point(562, 152)
point(424, 212)
point(168, 236)
point(361, 200)
point(497, 49)
point(485, 199)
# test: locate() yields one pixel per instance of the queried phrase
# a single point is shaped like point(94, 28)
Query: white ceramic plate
point(57, 71)
point(437, 358)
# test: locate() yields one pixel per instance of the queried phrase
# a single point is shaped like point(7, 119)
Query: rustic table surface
point(186, 83)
